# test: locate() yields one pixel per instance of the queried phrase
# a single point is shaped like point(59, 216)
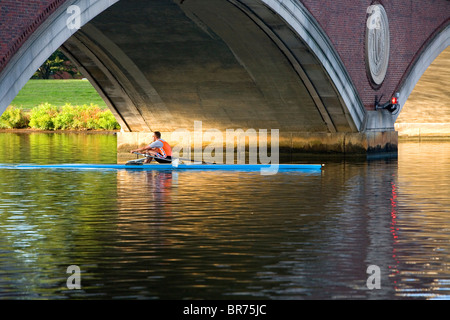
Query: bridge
point(314, 70)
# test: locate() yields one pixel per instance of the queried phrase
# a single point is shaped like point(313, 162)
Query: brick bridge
point(312, 69)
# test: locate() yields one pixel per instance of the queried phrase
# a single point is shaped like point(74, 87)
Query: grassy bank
point(67, 117)
point(58, 93)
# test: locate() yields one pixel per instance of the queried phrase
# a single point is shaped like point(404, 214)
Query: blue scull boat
point(186, 166)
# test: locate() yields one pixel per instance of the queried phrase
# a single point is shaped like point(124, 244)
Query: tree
point(55, 66)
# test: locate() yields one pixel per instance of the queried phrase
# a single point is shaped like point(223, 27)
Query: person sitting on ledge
point(159, 149)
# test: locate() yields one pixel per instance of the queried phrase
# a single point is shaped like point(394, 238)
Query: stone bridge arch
point(427, 114)
point(44, 35)
point(425, 58)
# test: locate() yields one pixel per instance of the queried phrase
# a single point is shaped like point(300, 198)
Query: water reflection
point(207, 236)
point(46, 148)
point(269, 235)
point(223, 235)
point(423, 221)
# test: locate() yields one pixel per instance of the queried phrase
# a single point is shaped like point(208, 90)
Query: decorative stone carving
point(377, 43)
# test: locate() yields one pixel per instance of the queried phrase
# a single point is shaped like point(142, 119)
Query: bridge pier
point(377, 135)
point(341, 143)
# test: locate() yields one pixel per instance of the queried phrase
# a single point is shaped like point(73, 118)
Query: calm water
point(222, 235)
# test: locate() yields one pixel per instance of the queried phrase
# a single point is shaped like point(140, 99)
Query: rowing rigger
point(174, 161)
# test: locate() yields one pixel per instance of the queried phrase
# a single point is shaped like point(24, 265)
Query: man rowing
point(159, 149)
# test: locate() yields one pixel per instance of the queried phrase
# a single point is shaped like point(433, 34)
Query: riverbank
point(86, 132)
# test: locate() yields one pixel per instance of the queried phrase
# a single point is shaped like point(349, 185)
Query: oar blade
point(175, 163)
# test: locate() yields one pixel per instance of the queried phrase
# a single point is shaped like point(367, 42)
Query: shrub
point(85, 116)
point(14, 118)
point(65, 118)
point(107, 121)
point(42, 117)
point(50, 117)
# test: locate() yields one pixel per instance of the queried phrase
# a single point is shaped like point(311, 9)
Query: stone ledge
point(289, 142)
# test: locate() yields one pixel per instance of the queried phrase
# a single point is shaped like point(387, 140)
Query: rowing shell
point(235, 167)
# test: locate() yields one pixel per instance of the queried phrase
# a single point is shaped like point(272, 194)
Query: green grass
point(58, 93)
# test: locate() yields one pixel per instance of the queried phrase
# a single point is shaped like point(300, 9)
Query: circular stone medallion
point(377, 43)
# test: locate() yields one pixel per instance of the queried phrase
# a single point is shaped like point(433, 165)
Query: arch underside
point(161, 65)
point(438, 44)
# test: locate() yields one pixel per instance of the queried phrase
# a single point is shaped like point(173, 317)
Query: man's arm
point(141, 149)
point(150, 147)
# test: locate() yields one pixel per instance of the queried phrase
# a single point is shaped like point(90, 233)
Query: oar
point(137, 161)
point(174, 160)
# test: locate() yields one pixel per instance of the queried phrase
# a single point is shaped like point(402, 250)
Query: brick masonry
point(412, 24)
point(18, 20)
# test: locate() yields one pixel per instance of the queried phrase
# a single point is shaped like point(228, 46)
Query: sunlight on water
point(219, 234)
point(422, 224)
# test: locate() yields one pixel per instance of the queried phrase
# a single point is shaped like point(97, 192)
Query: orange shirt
point(165, 150)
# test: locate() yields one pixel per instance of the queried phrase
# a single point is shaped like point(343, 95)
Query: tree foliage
point(55, 66)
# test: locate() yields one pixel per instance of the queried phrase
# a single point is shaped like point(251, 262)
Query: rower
point(159, 149)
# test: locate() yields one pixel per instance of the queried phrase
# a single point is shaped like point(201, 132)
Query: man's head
point(156, 135)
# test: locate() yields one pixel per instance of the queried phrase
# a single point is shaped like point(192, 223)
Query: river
point(222, 235)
